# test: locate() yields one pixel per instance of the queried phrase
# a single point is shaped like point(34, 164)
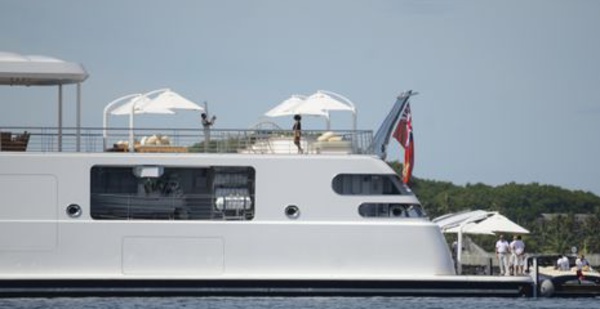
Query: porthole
point(397, 211)
point(73, 210)
point(292, 211)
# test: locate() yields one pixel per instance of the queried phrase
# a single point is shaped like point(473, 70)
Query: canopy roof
point(451, 220)
point(34, 70)
point(497, 224)
point(478, 222)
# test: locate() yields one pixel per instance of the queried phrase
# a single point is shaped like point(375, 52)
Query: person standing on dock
point(517, 249)
point(502, 250)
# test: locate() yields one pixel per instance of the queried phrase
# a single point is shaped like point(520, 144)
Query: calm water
point(308, 302)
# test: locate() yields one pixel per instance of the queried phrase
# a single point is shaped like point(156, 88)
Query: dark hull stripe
point(51, 288)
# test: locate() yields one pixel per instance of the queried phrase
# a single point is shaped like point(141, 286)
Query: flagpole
point(382, 137)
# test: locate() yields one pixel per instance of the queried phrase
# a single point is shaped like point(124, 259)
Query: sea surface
point(303, 302)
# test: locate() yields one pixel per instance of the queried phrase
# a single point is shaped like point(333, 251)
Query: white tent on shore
point(476, 222)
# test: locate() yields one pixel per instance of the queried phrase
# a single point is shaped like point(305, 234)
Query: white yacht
point(77, 218)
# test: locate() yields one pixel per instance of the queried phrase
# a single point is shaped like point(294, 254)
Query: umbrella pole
point(459, 251)
point(78, 117)
point(60, 119)
point(104, 132)
point(131, 139)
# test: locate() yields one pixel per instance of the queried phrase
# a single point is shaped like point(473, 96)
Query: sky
point(508, 90)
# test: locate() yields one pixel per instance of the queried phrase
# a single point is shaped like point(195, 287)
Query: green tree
point(523, 203)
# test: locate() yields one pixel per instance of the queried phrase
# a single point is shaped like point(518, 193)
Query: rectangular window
point(172, 193)
point(365, 184)
point(390, 210)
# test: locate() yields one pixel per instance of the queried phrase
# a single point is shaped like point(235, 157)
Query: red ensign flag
point(404, 135)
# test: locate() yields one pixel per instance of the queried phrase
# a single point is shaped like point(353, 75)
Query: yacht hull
point(457, 286)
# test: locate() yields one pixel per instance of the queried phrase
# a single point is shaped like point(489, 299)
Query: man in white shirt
point(563, 263)
point(502, 250)
point(517, 248)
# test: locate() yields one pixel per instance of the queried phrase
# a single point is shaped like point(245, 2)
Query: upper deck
point(19, 70)
point(161, 140)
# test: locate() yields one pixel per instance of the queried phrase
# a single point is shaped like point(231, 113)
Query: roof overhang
point(18, 70)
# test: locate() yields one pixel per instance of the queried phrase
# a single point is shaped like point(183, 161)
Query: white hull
point(329, 240)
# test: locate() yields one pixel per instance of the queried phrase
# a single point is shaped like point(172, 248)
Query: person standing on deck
point(581, 264)
point(297, 132)
point(206, 124)
point(502, 250)
point(562, 263)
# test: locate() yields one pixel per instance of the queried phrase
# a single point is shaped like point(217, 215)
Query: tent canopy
point(478, 222)
point(453, 220)
point(496, 224)
point(33, 70)
point(468, 228)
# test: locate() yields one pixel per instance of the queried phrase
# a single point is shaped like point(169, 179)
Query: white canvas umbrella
point(164, 102)
point(318, 104)
point(326, 101)
point(322, 101)
point(452, 220)
point(290, 107)
point(467, 229)
point(287, 107)
point(135, 104)
point(477, 222)
point(496, 223)
point(140, 104)
point(172, 100)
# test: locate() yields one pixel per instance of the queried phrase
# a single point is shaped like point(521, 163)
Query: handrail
point(242, 141)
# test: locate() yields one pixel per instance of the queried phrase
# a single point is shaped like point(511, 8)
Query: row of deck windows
point(213, 193)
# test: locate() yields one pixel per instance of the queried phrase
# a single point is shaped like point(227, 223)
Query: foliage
point(573, 220)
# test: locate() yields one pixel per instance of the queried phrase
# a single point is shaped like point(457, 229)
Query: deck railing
point(249, 141)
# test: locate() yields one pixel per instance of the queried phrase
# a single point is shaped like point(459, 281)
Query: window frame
point(179, 193)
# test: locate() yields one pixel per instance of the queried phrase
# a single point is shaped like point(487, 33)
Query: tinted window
point(172, 193)
point(365, 184)
point(390, 210)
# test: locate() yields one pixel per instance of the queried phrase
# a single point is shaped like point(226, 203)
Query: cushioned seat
point(17, 143)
